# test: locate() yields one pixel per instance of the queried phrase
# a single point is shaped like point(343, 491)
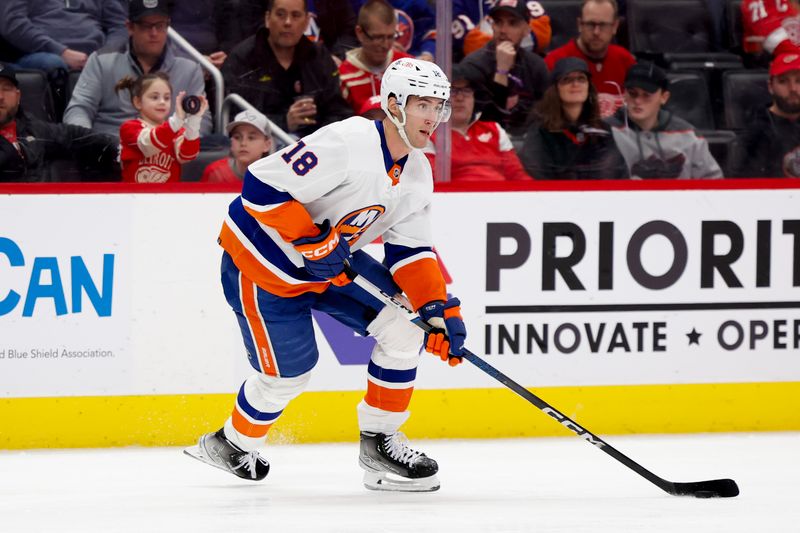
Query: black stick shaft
point(718, 488)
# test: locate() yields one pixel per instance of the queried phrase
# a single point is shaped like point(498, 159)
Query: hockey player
point(302, 213)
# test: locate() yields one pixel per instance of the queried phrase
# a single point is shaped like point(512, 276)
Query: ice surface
point(531, 485)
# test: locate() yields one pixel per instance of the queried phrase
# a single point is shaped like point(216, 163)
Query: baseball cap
point(518, 8)
point(647, 76)
point(784, 63)
point(252, 118)
point(370, 104)
point(9, 74)
point(566, 65)
point(138, 9)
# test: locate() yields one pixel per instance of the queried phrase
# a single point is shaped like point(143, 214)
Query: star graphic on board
point(694, 337)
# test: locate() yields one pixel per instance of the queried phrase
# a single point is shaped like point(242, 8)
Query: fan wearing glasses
point(608, 63)
point(480, 150)
point(362, 69)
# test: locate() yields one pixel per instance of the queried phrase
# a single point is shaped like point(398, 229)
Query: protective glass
point(428, 110)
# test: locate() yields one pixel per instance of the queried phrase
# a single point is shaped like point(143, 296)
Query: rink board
point(632, 309)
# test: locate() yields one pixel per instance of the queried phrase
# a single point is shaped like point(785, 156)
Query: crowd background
point(556, 89)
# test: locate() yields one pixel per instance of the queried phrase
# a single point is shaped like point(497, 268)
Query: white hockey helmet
point(414, 77)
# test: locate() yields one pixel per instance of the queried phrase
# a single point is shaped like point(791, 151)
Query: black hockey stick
point(714, 488)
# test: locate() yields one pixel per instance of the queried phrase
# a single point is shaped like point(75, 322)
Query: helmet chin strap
point(401, 126)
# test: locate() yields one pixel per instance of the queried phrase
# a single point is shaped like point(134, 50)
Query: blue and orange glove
point(447, 337)
point(325, 254)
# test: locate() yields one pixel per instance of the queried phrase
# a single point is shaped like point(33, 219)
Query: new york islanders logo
point(354, 224)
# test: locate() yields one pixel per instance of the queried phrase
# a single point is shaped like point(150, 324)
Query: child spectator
point(654, 142)
point(569, 141)
point(154, 147)
point(480, 150)
point(251, 139)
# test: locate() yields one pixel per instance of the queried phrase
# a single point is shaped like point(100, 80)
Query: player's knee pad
point(396, 336)
point(273, 390)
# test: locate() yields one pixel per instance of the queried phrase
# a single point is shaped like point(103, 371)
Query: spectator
point(770, 146)
point(416, 27)
point(283, 74)
point(472, 29)
point(361, 72)
point(515, 77)
point(772, 27)
point(609, 63)
point(96, 105)
point(251, 139)
point(56, 35)
point(29, 145)
point(333, 24)
point(569, 141)
point(480, 150)
point(654, 143)
point(154, 147)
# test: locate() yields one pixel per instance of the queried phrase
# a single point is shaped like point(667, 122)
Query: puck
point(706, 494)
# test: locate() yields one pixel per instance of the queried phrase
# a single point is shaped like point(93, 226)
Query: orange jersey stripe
point(257, 327)
point(290, 220)
point(258, 273)
point(395, 400)
point(422, 281)
point(247, 428)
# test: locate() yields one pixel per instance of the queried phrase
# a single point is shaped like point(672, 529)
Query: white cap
point(252, 118)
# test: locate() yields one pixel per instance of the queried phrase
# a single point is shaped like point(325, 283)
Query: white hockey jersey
point(343, 173)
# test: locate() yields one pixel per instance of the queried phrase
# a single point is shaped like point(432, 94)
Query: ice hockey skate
point(218, 451)
point(391, 464)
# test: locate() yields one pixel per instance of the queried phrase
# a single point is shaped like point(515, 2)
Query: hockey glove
point(447, 338)
point(324, 255)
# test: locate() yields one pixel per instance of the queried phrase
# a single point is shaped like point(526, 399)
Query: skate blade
point(384, 481)
point(196, 452)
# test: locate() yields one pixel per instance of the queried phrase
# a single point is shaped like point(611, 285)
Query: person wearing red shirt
point(608, 63)
point(361, 71)
point(481, 150)
point(251, 139)
point(154, 147)
point(772, 26)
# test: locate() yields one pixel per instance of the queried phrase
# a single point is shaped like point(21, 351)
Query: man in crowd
point(515, 77)
point(28, 145)
point(770, 146)
point(654, 142)
point(53, 34)
point(363, 67)
point(95, 104)
point(608, 62)
point(286, 76)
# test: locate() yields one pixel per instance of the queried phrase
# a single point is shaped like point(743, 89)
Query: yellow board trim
point(166, 420)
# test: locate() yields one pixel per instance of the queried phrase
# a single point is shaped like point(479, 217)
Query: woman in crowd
point(480, 150)
point(567, 139)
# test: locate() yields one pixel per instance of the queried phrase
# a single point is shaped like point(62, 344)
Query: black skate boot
point(390, 464)
point(216, 450)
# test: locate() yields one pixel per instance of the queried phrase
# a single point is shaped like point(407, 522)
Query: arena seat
point(193, 170)
point(690, 99)
point(563, 20)
point(37, 98)
point(720, 143)
point(662, 26)
point(743, 91)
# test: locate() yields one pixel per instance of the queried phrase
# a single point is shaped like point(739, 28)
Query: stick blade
point(715, 488)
